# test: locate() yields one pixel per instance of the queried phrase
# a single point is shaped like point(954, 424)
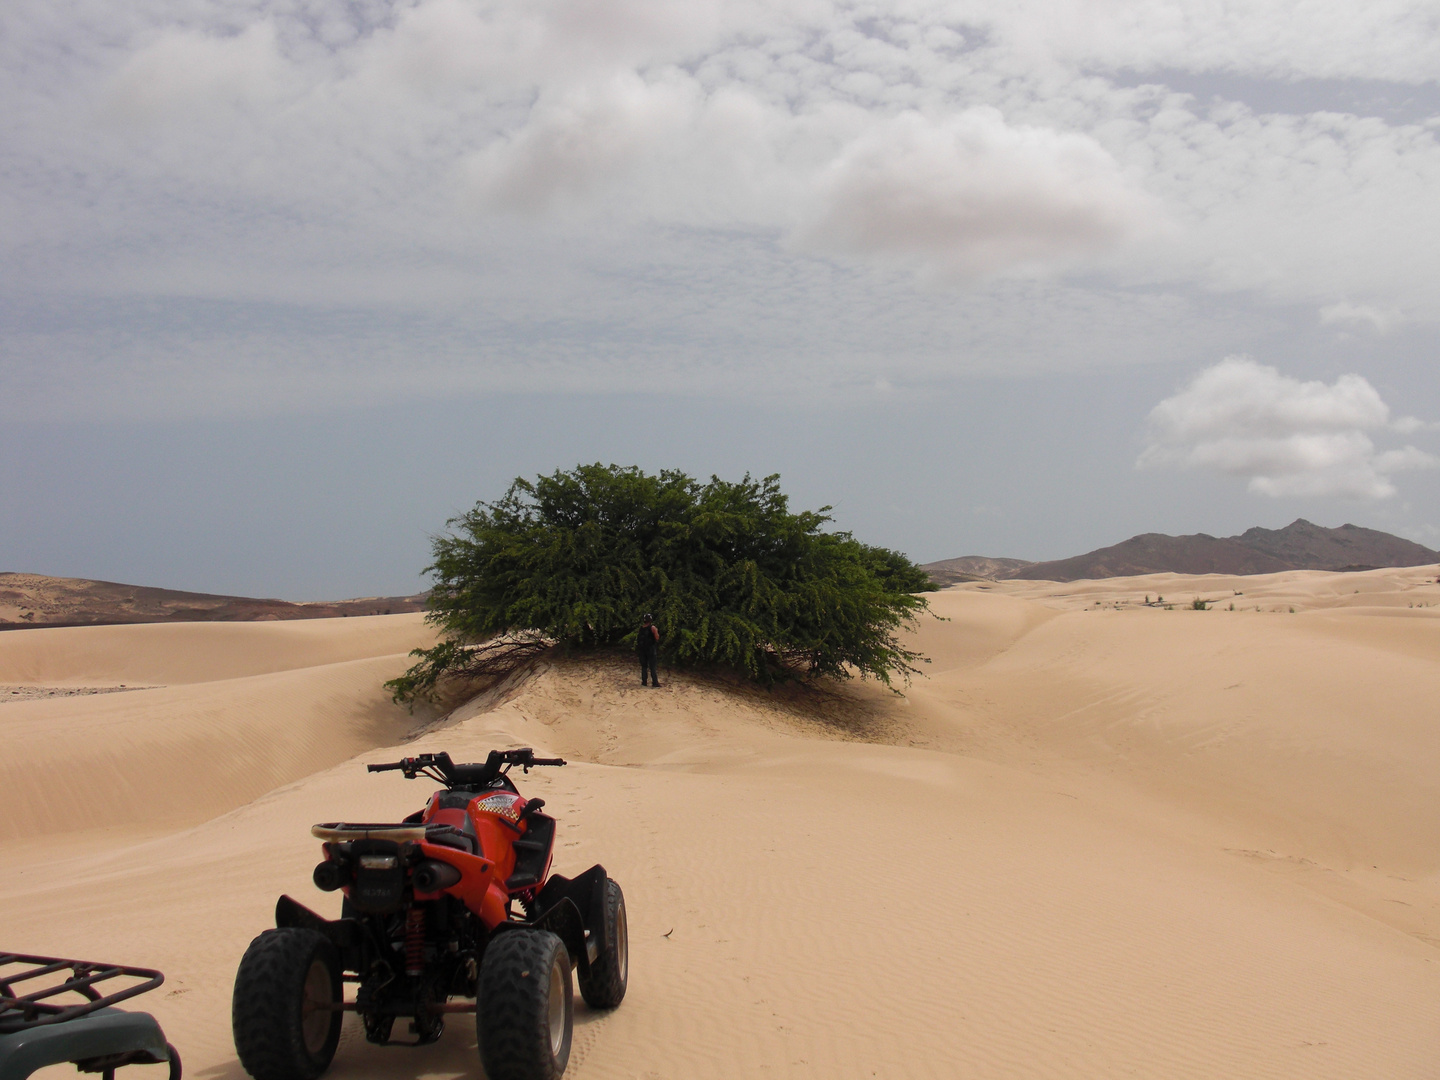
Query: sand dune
point(250, 706)
point(1092, 843)
point(184, 653)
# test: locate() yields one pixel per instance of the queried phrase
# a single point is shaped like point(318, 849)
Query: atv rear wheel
point(603, 985)
point(525, 1006)
point(285, 1027)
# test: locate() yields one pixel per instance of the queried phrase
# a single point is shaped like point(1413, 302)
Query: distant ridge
point(1301, 545)
point(39, 600)
point(973, 568)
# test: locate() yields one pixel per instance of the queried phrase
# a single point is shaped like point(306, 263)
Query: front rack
point(20, 1010)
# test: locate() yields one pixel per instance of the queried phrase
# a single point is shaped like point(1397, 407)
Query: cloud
point(965, 194)
point(662, 175)
point(1408, 425)
point(972, 195)
point(1286, 437)
point(1396, 37)
point(1344, 313)
point(184, 71)
point(579, 139)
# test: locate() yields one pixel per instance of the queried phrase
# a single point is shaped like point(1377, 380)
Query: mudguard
point(571, 908)
point(565, 902)
point(563, 920)
point(101, 1041)
point(344, 934)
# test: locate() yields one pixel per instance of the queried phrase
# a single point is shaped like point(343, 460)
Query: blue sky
point(283, 285)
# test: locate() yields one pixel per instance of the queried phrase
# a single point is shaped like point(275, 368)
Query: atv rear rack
point(338, 832)
point(20, 1011)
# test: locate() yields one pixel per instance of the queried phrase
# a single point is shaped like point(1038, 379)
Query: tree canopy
point(731, 575)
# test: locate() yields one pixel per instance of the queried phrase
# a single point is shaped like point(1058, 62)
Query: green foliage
point(732, 576)
point(419, 681)
point(1199, 605)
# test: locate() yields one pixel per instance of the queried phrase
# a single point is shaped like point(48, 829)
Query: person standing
point(647, 644)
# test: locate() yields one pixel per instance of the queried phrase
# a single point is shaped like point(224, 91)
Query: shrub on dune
point(733, 577)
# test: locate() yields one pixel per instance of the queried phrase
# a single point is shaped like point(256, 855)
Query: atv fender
point(344, 934)
point(574, 909)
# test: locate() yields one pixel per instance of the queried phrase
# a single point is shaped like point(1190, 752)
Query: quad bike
point(54, 1010)
point(456, 901)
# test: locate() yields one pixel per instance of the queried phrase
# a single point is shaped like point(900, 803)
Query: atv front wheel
point(525, 1006)
point(282, 1012)
point(603, 985)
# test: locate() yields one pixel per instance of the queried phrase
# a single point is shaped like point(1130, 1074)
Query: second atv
point(456, 901)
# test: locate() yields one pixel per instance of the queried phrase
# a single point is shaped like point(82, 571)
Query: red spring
point(415, 941)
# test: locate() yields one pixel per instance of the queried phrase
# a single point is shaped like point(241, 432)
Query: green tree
point(732, 576)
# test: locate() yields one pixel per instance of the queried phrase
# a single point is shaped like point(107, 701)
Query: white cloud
point(1298, 209)
point(579, 139)
point(1400, 38)
point(521, 161)
point(1286, 437)
point(973, 140)
point(1344, 313)
point(972, 195)
point(188, 72)
point(1408, 425)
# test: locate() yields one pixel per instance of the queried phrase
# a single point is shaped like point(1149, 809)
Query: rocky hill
point(38, 600)
point(1301, 545)
point(973, 568)
point(1347, 548)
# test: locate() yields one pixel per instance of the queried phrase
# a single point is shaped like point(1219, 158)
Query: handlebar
point(440, 767)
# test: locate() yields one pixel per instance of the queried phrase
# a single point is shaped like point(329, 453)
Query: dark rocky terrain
point(1301, 545)
point(38, 600)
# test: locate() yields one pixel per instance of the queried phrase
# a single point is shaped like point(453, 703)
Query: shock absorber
point(415, 941)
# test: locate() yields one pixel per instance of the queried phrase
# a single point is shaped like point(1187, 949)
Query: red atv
point(430, 914)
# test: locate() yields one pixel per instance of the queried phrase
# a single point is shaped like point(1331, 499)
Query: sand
point(1095, 841)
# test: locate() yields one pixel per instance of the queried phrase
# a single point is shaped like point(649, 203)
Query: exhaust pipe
point(432, 875)
point(329, 875)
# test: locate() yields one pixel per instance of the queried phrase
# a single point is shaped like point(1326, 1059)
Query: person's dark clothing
point(647, 645)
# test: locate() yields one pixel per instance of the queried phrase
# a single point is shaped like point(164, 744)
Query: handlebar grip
point(547, 761)
point(388, 767)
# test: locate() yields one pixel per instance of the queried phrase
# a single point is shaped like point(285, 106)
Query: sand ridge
point(250, 706)
point(1067, 852)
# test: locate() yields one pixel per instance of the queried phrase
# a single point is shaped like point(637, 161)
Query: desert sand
point(1096, 839)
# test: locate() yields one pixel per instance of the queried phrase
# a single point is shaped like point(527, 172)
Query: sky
point(286, 284)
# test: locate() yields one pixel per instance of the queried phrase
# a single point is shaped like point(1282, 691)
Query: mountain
point(1348, 547)
point(1301, 545)
point(38, 600)
point(1155, 553)
point(973, 568)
